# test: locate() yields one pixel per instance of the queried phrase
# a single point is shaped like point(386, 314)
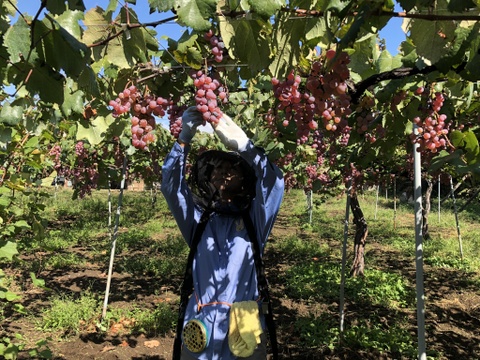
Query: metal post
point(422, 355)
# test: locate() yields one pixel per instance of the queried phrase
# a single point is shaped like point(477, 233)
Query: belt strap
point(187, 285)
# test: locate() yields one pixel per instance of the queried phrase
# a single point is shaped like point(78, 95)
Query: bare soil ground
point(452, 314)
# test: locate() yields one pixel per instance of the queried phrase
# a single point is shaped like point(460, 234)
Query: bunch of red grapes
point(432, 128)
point(217, 45)
point(324, 98)
point(210, 92)
point(143, 109)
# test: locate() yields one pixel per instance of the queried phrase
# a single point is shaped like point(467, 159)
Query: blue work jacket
point(223, 267)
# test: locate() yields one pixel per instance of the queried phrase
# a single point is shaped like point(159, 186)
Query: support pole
point(114, 239)
point(422, 355)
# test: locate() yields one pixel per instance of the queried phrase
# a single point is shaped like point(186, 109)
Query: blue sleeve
point(177, 194)
point(269, 191)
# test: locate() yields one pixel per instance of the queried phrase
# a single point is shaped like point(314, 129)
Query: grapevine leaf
point(134, 46)
point(161, 5)
point(186, 52)
point(432, 38)
point(266, 8)
point(17, 42)
point(407, 5)
point(468, 142)
point(87, 81)
point(286, 40)
point(9, 250)
point(5, 135)
point(11, 115)
point(112, 6)
point(94, 133)
point(70, 22)
point(195, 13)
point(472, 70)
point(444, 158)
point(97, 26)
point(460, 5)
point(361, 58)
point(74, 99)
point(31, 145)
point(47, 83)
point(353, 31)
point(58, 6)
point(387, 62)
point(316, 29)
point(51, 39)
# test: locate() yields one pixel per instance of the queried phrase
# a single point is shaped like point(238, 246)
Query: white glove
point(231, 135)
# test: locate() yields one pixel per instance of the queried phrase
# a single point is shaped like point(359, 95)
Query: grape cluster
point(56, 153)
point(208, 95)
point(432, 128)
point(175, 113)
point(85, 170)
point(143, 109)
point(319, 106)
point(313, 174)
point(217, 45)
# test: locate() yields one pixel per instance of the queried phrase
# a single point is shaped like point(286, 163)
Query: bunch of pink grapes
point(432, 128)
point(143, 110)
point(209, 93)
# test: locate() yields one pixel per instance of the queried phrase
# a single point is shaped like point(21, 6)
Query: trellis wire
point(114, 238)
point(419, 252)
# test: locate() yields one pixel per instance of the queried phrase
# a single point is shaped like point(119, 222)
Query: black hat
point(207, 196)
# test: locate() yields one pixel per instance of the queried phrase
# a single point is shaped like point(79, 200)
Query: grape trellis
point(310, 81)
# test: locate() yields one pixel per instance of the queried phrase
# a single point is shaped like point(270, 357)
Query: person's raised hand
point(231, 135)
point(191, 120)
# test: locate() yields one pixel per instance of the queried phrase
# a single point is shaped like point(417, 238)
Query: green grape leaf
point(432, 39)
point(5, 135)
point(161, 5)
point(17, 42)
point(11, 115)
point(468, 142)
point(52, 39)
point(266, 8)
point(195, 13)
point(31, 145)
point(97, 26)
point(96, 132)
point(8, 250)
point(47, 83)
point(387, 62)
point(407, 5)
point(460, 5)
point(74, 99)
point(187, 53)
point(70, 22)
point(285, 42)
point(87, 81)
point(246, 41)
